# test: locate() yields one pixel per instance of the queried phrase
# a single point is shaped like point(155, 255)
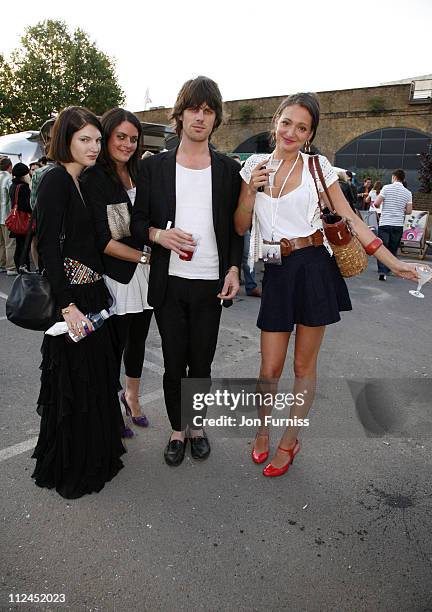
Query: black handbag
point(31, 302)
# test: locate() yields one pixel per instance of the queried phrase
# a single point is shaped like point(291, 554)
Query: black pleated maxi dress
point(79, 445)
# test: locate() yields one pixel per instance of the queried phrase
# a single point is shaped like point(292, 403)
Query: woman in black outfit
point(79, 444)
point(109, 188)
point(20, 192)
point(346, 189)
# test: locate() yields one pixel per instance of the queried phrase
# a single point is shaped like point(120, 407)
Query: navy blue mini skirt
point(307, 288)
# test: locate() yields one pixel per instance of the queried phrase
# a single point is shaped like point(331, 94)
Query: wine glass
point(272, 164)
point(425, 274)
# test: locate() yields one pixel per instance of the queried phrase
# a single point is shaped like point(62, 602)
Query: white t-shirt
point(194, 214)
point(396, 198)
point(373, 196)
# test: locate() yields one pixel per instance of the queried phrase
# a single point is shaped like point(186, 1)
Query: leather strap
point(314, 169)
point(16, 192)
point(288, 246)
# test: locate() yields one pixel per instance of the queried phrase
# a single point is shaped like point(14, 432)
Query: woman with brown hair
point(373, 194)
point(79, 445)
point(109, 188)
point(302, 284)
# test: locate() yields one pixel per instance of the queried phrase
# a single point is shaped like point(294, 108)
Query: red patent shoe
point(271, 470)
point(260, 457)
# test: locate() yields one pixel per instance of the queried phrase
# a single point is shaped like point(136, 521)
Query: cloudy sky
point(252, 49)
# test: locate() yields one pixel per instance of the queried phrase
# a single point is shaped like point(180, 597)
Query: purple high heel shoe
point(141, 421)
point(127, 432)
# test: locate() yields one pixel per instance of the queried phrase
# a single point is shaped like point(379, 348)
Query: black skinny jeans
point(188, 323)
point(19, 247)
point(130, 335)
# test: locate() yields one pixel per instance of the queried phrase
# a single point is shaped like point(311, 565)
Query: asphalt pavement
point(348, 528)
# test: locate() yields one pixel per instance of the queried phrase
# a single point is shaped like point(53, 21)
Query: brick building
point(383, 127)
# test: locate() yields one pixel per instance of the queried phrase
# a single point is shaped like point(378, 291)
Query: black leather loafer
point(175, 451)
point(200, 447)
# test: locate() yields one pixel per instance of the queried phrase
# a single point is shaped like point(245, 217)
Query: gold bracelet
point(66, 310)
point(156, 238)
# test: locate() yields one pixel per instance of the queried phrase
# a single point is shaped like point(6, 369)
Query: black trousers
point(188, 323)
point(19, 247)
point(130, 335)
point(391, 236)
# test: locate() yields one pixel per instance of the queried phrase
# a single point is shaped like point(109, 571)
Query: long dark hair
point(110, 120)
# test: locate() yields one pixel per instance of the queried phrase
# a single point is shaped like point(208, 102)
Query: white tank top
point(292, 212)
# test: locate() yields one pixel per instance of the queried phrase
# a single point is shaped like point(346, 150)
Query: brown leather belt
point(288, 246)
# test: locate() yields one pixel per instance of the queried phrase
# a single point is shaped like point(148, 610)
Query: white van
point(22, 147)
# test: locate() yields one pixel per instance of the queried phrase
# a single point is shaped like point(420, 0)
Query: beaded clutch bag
point(79, 274)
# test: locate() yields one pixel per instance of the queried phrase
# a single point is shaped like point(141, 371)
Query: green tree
point(55, 68)
point(92, 73)
point(7, 96)
point(374, 173)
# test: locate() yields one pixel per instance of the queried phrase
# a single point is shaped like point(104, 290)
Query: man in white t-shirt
point(395, 202)
point(194, 189)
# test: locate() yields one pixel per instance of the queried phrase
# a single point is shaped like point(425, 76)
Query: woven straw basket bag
point(349, 253)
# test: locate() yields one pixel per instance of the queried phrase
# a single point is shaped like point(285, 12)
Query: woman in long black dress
point(79, 444)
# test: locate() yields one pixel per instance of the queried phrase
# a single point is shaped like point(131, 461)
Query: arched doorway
point(386, 149)
point(260, 143)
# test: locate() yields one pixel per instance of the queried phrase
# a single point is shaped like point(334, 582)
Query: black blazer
point(155, 205)
point(100, 189)
point(23, 195)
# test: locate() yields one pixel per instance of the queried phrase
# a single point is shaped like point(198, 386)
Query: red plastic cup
point(189, 253)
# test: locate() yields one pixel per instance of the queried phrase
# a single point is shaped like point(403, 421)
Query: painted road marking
point(148, 398)
point(17, 449)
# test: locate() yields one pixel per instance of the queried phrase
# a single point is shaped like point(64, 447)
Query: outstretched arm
point(366, 236)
